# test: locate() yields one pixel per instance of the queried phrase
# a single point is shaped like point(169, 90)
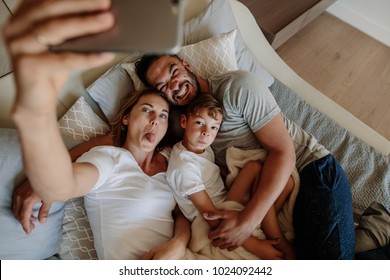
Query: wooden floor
point(345, 64)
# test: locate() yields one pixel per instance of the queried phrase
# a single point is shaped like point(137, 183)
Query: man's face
point(173, 77)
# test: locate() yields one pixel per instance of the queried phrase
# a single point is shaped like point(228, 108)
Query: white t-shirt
point(189, 173)
point(129, 211)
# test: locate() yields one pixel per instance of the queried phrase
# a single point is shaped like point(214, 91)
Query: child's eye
point(146, 110)
point(215, 128)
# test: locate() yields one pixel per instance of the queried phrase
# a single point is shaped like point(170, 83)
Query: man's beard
point(193, 81)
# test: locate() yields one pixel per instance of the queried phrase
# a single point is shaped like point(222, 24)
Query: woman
point(121, 184)
point(130, 205)
point(126, 194)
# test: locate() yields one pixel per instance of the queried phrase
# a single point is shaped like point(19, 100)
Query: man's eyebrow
point(169, 71)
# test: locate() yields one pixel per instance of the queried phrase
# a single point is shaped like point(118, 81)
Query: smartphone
point(147, 26)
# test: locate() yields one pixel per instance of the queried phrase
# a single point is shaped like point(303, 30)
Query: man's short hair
point(142, 66)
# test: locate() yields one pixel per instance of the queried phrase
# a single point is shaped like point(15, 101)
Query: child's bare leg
point(270, 226)
point(244, 182)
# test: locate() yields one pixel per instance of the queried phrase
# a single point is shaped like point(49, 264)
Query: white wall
point(370, 16)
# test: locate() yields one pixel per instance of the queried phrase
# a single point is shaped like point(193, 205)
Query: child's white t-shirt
point(189, 173)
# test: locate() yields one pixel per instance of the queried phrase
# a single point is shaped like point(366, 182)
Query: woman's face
point(147, 122)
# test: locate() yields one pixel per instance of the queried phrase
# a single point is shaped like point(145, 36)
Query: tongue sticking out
point(150, 137)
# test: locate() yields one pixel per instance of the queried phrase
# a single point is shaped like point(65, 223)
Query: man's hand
point(24, 200)
point(233, 230)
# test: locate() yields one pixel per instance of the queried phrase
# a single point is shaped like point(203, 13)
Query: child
point(198, 186)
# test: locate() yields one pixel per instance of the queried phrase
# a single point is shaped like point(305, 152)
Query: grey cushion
point(110, 88)
point(43, 242)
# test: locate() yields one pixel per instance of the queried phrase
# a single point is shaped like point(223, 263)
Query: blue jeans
point(323, 217)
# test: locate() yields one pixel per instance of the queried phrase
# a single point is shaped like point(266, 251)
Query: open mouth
point(150, 137)
point(182, 93)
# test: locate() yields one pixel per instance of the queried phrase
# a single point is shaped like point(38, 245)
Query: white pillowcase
point(207, 58)
point(215, 19)
point(81, 123)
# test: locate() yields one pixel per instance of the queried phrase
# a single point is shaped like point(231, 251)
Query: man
point(323, 218)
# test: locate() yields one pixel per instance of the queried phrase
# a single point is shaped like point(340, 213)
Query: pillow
point(212, 56)
point(207, 58)
point(108, 90)
point(216, 19)
point(129, 67)
point(79, 124)
point(44, 241)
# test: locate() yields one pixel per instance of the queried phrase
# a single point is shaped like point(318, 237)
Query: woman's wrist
point(179, 246)
point(33, 124)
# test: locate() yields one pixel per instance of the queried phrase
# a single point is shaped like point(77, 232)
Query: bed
point(227, 31)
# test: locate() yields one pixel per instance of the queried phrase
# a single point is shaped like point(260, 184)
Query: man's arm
point(277, 168)
point(237, 226)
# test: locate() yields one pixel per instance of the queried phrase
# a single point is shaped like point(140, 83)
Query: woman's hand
point(24, 200)
point(171, 250)
point(40, 74)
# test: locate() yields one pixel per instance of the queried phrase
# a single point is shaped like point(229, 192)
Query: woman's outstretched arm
point(39, 76)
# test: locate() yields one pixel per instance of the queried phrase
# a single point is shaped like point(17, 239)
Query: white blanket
point(200, 246)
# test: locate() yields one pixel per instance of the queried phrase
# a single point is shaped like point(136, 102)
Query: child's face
point(200, 130)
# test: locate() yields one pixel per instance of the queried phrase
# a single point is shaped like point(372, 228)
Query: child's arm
point(203, 203)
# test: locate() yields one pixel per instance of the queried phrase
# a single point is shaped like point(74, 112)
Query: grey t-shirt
point(249, 105)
